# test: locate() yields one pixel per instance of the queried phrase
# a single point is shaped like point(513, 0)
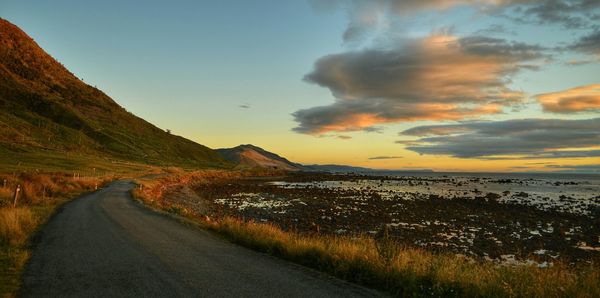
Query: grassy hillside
point(46, 113)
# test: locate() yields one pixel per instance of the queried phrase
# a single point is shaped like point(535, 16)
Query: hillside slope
point(45, 108)
point(250, 156)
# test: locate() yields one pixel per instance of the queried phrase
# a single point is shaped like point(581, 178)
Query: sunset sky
point(448, 85)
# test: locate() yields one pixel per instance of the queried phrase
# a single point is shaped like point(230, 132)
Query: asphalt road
point(105, 244)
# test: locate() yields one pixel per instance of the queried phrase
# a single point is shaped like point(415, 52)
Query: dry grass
point(15, 225)
point(382, 263)
point(405, 271)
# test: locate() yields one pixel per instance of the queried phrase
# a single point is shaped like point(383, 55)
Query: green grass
point(385, 265)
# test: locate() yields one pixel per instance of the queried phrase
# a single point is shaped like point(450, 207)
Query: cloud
point(589, 44)
point(384, 157)
point(367, 16)
point(579, 99)
point(439, 77)
point(375, 129)
point(591, 168)
point(510, 139)
point(405, 6)
point(495, 29)
point(344, 137)
point(577, 62)
point(567, 13)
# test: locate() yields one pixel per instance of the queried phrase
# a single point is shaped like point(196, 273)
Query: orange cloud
point(579, 99)
point(366, 16)
point(409, 6)
point(440, 77)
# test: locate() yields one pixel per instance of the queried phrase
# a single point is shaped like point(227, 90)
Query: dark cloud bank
point(524, 138)
point(592, 168)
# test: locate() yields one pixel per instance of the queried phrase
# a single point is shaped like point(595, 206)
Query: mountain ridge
point(45, 107)
point(250, 156)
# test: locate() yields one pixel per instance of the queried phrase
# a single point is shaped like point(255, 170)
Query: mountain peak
point(251, 156)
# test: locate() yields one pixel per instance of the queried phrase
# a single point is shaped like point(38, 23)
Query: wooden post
point(17, 191)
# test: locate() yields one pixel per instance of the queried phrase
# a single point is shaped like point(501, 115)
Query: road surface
point(105, 244)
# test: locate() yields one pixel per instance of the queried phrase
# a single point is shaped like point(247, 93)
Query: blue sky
point(189, 66)
point(208, 57)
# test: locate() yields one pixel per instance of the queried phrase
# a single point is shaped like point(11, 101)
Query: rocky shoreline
point(503, 226)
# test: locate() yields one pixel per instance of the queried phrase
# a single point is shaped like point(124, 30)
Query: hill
point(46, 112)
point(253, 157)
point(250, 156)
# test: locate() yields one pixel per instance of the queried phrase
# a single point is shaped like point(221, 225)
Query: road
point(105, 244)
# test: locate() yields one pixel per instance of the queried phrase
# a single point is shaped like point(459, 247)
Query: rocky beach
point(516, 220)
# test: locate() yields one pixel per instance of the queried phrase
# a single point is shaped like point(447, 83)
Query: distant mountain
point(45, 108)
point(336, 169)
point(250, 156)
point(358, 170)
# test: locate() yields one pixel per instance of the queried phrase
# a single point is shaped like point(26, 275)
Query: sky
point(448, 85)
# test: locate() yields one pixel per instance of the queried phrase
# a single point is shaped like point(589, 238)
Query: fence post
point(17, 191)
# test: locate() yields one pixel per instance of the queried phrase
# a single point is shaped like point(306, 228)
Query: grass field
point(56, 161)
point(381, 263)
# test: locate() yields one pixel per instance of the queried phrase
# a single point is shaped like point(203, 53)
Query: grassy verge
point(384, 264)
point(39, 197)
